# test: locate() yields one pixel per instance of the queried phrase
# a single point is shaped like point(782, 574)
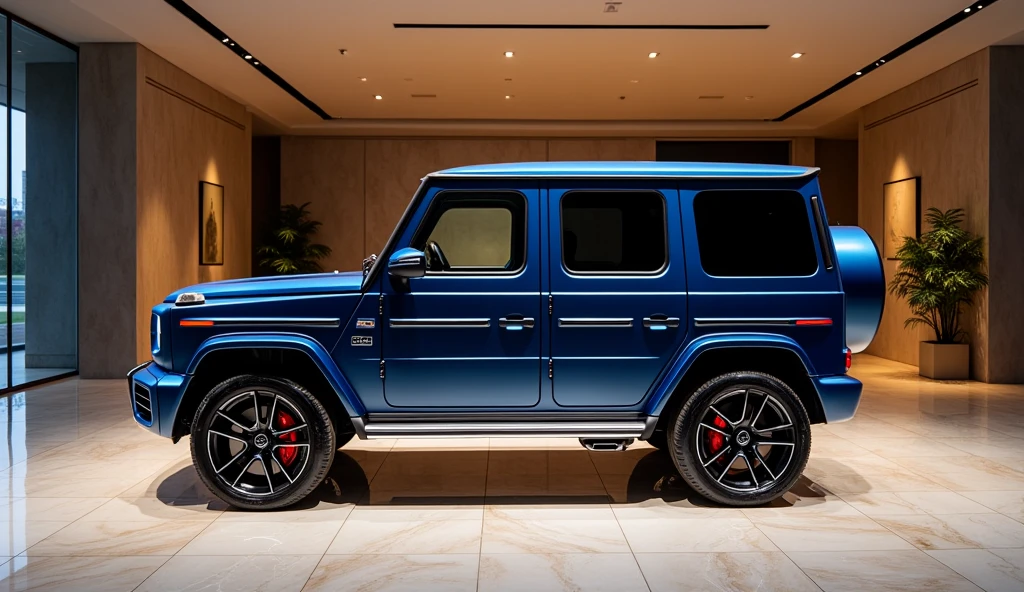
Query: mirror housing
point(407, 263)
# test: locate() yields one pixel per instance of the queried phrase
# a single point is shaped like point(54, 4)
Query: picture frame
point(211, 223)
point(901, 213)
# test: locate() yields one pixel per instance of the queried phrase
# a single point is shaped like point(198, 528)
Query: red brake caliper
point(715, 440)
point(288, 453)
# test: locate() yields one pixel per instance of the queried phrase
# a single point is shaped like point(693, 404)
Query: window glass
point(475, 232)
point(613, 231)
point(754, 234)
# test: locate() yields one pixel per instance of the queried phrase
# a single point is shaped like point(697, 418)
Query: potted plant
point(291, 248)
point(938, 274)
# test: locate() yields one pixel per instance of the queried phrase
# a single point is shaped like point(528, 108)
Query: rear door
point(617, 291)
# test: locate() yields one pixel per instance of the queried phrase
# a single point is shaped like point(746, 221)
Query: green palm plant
point(290, 248)
point(939, 273)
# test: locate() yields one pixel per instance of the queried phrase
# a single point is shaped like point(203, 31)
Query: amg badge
point(362, 340)
point(364, 323)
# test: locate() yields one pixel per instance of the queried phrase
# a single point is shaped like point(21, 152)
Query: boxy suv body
point(705, 308)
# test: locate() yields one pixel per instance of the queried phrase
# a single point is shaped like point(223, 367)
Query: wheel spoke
point(722, 415)
point(229, 418)
point(764, 464)
point(276, 446)
point(266, 470)
point(228, 436)
point(714, 429)
point(230, 462)
point(729, 466)
point(289, 430)
point(244, 471)
point(750, 467)
point(774, 443)
point(283, 469)
point(776, 428)
point(753, 422)
point(743, 412)
point(270, 415)
point(720, 453)
point(255, 410)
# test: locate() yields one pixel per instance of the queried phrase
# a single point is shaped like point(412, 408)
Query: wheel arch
point(702, 360)
point(296, 358)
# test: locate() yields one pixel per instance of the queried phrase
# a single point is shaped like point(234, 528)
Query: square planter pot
point(945, 361)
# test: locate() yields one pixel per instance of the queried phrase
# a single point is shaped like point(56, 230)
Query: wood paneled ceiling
point(560, 80)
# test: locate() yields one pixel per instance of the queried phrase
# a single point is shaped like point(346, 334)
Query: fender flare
point(685, 359)
point(316, 352)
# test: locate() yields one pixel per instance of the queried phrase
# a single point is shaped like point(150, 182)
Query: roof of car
point(632, 169)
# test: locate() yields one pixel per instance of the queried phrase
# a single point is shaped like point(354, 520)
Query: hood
point(289, 285)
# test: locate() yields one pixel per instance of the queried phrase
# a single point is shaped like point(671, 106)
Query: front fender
point(685, 359)
point(311, 348)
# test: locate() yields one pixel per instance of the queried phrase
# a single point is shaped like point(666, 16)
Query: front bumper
point(154, 395)
point(840, 396)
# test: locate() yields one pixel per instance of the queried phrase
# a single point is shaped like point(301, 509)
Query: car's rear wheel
point(742, 439)
point(261, 443)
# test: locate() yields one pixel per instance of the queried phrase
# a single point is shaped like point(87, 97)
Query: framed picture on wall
point(211, 224)
point(902, 213)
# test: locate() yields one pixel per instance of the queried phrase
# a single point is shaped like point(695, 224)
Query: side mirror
point(407, 263)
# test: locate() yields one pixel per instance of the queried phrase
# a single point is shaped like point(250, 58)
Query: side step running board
point(604, 430)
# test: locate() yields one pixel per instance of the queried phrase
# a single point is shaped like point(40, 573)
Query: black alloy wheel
point(261, 443)
point(742, 439)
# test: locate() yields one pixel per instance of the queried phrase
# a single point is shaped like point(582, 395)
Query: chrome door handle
point(660, 322)
point(515, 322)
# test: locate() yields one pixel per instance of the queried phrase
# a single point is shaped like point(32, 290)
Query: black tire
point(297, 451)
point(706, 442)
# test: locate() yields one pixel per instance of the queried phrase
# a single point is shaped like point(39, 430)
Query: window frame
point(442, 201)
point(810, 229)
point(561, 234)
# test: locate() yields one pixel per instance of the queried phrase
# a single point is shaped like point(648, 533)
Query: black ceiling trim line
point(218, 34)
point(581, 27)
point(962, 15)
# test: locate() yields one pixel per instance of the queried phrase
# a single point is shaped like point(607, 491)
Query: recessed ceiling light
point(508, 97)
point(343, 51)
point(653, 54)
point(232, 44)
point(363, 79)
point(968, 9)
point(797, 55)
point(248, 57)
point(378, 97)
point(859, 73)
point(255, 63)
point(226, 39)
point(509, 54)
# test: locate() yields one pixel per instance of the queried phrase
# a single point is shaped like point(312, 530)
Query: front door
point(467, 334)
point(618, 292)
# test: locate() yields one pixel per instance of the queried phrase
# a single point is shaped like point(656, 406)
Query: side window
point(613, 232)
point(474, 232)
point(754, 234)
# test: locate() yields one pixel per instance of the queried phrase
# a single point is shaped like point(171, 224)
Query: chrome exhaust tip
point(606, 445)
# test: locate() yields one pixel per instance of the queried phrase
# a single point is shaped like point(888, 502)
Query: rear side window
point(613, 232)
point(754, 234)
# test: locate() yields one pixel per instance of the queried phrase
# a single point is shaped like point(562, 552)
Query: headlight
point(155, 333)
point(189, 298)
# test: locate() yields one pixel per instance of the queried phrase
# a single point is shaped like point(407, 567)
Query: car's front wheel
point(261, 443)
point(742, 439)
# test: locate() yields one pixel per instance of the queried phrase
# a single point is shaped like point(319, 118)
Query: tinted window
point(475, 232)
point(754, 233)
point(613, 232)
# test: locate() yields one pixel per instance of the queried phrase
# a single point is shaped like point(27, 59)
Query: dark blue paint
point(489, 368)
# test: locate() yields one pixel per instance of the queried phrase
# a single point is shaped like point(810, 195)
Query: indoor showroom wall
point(360, 187)
point(961, 130)
point(149, 133)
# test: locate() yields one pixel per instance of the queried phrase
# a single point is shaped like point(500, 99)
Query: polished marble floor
point(924, 490)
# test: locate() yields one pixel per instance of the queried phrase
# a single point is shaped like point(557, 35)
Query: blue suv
point(705, 308)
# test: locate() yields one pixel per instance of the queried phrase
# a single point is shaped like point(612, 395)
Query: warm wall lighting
point(363, 79)
point(378, 97)
point(509, 54)
point(653, 55)
point(507, 97)
point(797, 55)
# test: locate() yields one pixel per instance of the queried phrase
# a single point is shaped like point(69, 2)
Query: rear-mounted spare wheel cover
point(860, 267)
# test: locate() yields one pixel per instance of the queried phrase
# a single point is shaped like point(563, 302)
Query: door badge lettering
point(362, 340)
point(364, 323)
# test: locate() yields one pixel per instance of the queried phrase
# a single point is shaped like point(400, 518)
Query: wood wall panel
point(837, 160)
point(187, 133)
point(329, 173)
point(611, 149)
point(924, 130)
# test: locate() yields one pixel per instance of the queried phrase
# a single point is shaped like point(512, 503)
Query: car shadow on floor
point(442, 477)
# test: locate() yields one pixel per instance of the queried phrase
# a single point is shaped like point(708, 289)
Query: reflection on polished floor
point(923, 490)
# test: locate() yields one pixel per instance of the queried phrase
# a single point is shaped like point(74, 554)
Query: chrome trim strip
point(439, 323)
point(270, 321)
point(733, 322)
point(594, 322)
point(619, 429)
